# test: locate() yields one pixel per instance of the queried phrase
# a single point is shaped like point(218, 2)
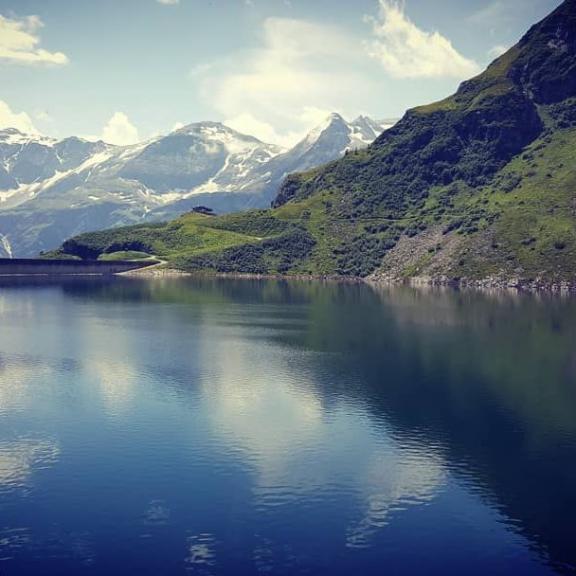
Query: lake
point(234, 427)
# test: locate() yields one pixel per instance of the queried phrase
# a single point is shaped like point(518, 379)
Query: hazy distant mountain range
point(53, 189)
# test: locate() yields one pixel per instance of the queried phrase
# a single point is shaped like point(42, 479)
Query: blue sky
point(130, 69)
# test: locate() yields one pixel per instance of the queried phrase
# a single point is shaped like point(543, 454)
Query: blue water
point(236, 427)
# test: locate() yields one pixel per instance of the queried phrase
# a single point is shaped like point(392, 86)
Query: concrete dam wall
point(38, 267)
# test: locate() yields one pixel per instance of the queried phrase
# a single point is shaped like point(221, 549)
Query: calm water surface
point(239, 427)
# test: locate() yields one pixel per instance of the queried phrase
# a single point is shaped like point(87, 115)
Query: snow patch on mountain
point(14, 137)
point(7, 247)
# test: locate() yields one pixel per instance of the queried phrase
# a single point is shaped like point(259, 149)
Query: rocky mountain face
point(477, 188)
point(50, 189)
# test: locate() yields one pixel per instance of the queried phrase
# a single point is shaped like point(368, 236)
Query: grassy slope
point(535, 230)
point(169, 241)
point(522, 224)
point(126, 255)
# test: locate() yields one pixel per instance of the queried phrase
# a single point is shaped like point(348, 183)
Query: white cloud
point(301, 71)
point(246, 123)
point(406, 51)
point(19, 42)
point(120, 131)
point(21, 121)
point(497, 51)
point(43, 116)
point(314, 115)
point(168, 2)
point(273, 91)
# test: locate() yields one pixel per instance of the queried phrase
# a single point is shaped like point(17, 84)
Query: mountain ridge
point(51, 189)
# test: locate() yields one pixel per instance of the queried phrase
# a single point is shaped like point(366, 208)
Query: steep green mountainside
point(481, 184)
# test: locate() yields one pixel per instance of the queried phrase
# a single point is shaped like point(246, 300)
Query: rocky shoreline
point(154, 272)
point(490, 283)
point(173, 272)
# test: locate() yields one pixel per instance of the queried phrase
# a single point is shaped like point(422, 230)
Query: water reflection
point(21, 457)
point(201, 555)
point(17, 376)
point(392, 482)
point(294, 427)
point(298, 446)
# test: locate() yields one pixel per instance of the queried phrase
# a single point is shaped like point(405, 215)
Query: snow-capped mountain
point(53, 189)
point(31, 164)
point(327, 142)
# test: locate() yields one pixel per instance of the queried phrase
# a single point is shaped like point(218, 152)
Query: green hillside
point(479, 185)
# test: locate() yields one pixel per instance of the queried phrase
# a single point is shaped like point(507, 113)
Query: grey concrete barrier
point(39, 267)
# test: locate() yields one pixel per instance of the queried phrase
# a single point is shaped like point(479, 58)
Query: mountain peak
point(545, 66)
point(332, 120)
point(363, 120)
point(339, 133)
point(334, 117)
point(15, 136)
point(218, 132)
point(559, 24)
point(207, 126)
